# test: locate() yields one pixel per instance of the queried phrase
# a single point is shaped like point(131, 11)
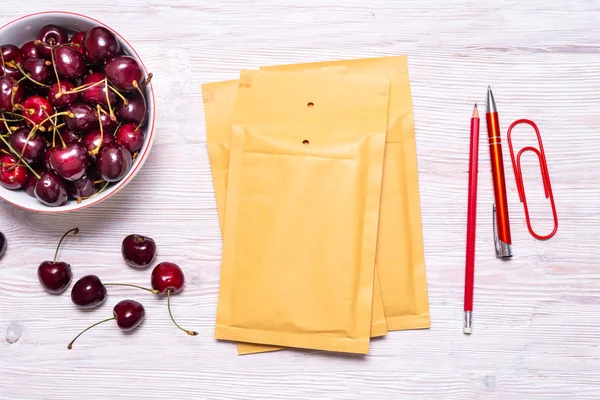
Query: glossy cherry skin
point(130, 137)
point(113, 162)
point(70, 63)
point(84, 120)
point(77, 41)
point(132, 112)
point(167, 276)
point(83, 187)
point(29, 50)
point(70, 162)
point(88, 292)
point(50, 36)
point(32, 149)
point(97, 94)
point(2, 243)
point(31, 181)
point(12, 177)
point(138, 251)
point(49, 152)
point(107, 124)
point(91, 140)
point(69, 136)
point(100, 44)
point(39, 69)
point(122, 72)
point(11, 53)
point(55, 277)
point(37, 109)
point(129, 314)
point(6, 96)
point(64, 99)
point(51, 190)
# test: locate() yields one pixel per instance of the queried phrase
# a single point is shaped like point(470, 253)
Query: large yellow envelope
point(219, 103)
point(400, 255)
point(302, 210)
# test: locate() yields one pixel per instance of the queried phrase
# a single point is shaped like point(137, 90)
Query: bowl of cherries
point(76, 112)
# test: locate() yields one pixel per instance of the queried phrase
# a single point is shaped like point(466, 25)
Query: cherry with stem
point(16, 153)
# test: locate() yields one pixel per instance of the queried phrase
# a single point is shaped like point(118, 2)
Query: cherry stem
point(191, 333)
point(18, 155)
point(70, 345)
point(20, 107)
point(49, 117)
point(119, 94)
point(134, 286)
point(135, 85)
point(97, 149)
point(54, 67)
point(80, 88)
point(25, 74)
point(75, 232)
point(110, 110)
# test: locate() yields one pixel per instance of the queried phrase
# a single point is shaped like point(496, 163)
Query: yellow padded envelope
point(400, 254)
point(219, 102)
point(303, 195)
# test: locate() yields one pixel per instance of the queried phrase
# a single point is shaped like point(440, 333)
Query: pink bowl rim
point(142, 158)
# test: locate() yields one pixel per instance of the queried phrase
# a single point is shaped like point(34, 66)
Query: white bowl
point(25, 29)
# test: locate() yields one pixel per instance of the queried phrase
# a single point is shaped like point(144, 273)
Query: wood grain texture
point(536, 318)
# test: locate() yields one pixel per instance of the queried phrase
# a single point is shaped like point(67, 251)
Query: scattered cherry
point(51, 190)
point(129, 314)
point(39, 70)
point(29, 50)
point(14, 54)
point(69, 62)
point(130, 137)
point(31, 147)
point(49, 37)
point(64, 99)
point(123, 72)
point(138, 251)
point(168, 278)
point(54, 276)
point(2, 243)
point(12, 175)
point(88, 292)
point(113, 162)
point(7, 98)
point(100, 44)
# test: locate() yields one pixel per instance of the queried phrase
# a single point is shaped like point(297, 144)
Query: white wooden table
point(537, 317)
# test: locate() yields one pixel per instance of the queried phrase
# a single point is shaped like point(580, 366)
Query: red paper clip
point(545, 176)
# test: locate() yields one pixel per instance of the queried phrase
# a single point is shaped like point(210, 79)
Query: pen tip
point(475, 105)
point(489, 88)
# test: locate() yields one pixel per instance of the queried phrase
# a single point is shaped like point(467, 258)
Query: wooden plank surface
point(537, 317)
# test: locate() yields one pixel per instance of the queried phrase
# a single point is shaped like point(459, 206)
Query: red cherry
point(129, 314)
point(113, 162)
point(123, 72)
point(7, 99)
point(32, 181)
point(49, 37)
point(97, 94)
point(70, 162)
point(91, 141)
point(37, 109)
point(130, 137)
point(138, 251)
point(39, 70)
point(69, 62)
point(100, 44)
point(31, 148)
point(77, 41)
point(12, 175)
point(29, 50)
point(51, 190)
point(11, 53)
point(54, 276)
point(168, 278)
point(63, 99)
point(88, 292)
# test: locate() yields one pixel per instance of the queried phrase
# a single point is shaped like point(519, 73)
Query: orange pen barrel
point(502, 221)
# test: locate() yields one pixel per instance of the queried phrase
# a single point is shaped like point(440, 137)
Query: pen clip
point(503, 250)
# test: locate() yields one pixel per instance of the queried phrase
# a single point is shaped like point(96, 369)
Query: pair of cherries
point(90, 292)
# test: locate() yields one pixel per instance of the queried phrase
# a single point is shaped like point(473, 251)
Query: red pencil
point(471, 214)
